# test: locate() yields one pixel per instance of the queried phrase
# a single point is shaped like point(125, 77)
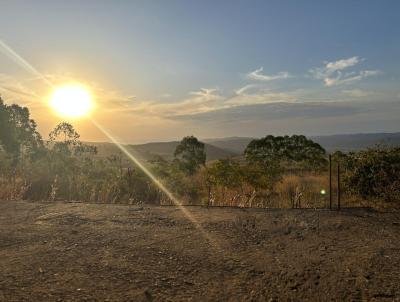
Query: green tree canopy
point(295, 148)
point(225, 172)
point(18, 133)
point(190, 154)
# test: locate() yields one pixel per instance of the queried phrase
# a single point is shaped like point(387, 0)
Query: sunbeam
point(9, 52)
point(159, 184)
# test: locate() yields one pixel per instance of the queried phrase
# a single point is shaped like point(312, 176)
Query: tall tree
point(190, 154)
point(18, 133)
point(64, 138)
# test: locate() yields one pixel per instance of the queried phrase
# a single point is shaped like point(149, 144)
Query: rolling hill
point(164, 149)
point(220, 148)
point(354, 142)
point(343, 142)
point(233, 144)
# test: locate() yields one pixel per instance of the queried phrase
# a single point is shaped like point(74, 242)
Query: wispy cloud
point(275, 111)
point(209, 100)
point(15, 91)
point(244, 89)
point(341, 64)
point(203, 100)
point(259, 76)
point(333, 73)
point(358, 93)
point(205, 92)
point(349, 78)
point(263, 97)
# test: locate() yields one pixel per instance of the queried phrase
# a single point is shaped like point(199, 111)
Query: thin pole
point(338, 185)
point(330, 182)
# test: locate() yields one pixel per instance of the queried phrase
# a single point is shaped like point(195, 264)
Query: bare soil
point(102, 252)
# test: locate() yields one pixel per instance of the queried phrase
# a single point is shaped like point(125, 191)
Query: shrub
point(374, 173)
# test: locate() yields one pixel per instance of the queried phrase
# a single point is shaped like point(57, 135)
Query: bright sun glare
point(71, 101)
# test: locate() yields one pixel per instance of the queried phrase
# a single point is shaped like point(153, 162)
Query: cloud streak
point(275, 111)
point(358, 93)
point(259, 76)
point(334, 73)
point(244, 89)
point(341, 64)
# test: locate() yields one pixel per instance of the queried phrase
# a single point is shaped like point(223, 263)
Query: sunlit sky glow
point(71, 101)
point(159, 70)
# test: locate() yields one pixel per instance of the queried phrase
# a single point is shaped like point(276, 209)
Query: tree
point(65, 139)
point(266, 158)
point(18, 133)
point(290, 149)
point(262, 175)
point(225, 172)
point(190, 154)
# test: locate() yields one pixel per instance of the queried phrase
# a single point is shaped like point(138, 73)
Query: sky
point(160, 70)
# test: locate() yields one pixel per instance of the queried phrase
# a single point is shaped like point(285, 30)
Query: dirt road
point(98, 252)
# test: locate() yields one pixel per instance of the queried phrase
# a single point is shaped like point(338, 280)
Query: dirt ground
point(102, 252)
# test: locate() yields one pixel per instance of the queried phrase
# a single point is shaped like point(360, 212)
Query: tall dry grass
point(12, 189)
point(294, 190)
point(302, 191)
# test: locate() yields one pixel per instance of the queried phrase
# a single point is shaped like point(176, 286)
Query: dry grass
point(12, 190)
point(302, 191)
point(305, 191)
point(293, 191)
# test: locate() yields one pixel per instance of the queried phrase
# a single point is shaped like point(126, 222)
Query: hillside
point(220, 148)
point(343, 142)
point(165, 149)
point(233, 144)
point(353, 142)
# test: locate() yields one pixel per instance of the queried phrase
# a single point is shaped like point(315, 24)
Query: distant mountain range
point(219, 148)
point(342, 142)
point(354, 142)
point(164, 149)
point(233, 144)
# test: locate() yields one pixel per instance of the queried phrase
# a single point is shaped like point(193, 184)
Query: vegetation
point(374, 173)
point(275, 171)
point(190, 155)
point(295, 148)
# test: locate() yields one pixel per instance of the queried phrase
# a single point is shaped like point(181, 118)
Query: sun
point(71, 101)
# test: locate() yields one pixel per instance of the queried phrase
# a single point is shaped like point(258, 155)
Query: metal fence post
point(330, 182)
point(338, 185)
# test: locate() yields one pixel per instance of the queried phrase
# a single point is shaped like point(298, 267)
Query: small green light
point(323, 192)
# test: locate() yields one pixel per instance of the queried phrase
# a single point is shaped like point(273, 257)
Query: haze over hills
point(219, 148)
point(342, 142)
point(233, 144)
point(164, 149)
point(359, 141)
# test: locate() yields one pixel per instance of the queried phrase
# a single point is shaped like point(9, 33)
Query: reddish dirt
point(99, 252)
